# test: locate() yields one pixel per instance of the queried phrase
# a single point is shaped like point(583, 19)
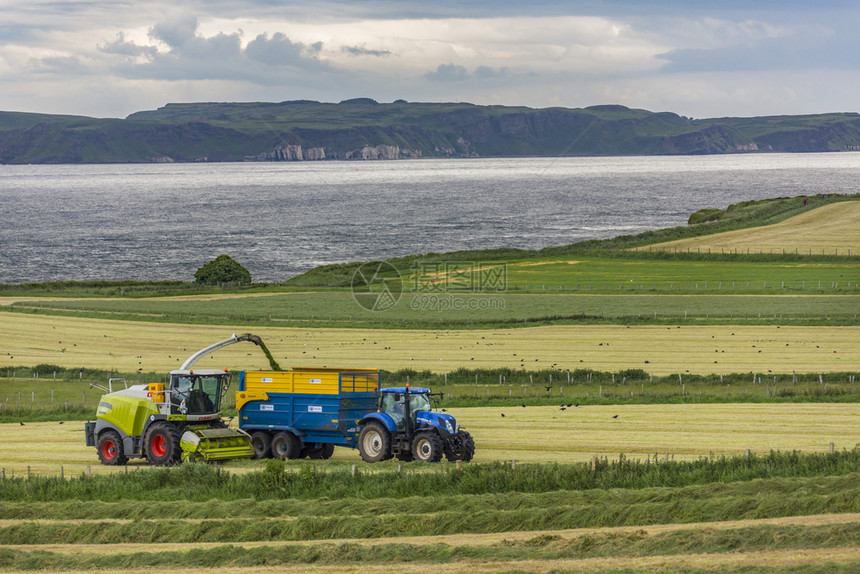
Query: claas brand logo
point(104, 408)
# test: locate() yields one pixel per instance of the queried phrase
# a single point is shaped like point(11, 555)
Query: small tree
point(222, 269)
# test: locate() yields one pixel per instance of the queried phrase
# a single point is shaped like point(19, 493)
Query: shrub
point(222, 269)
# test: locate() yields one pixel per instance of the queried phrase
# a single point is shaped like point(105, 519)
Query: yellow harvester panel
point(156, 392)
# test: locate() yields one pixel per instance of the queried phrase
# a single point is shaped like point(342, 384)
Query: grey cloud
point(448, 73)
point(362, 51)
point(175, 32)
point(123, 48)
point(281, 51)
point(488, 72)
point(780, 53)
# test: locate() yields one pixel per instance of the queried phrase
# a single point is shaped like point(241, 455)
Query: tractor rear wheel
point(463, 449)
point(110, 449)
point(427, 447)
point(374, 443)
point(286, 445)
point(261, 442)
point(162, 444)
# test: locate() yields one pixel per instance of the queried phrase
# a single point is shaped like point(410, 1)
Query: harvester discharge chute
point(166, 423)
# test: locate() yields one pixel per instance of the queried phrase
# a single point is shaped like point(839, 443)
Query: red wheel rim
point(158, 445)
point(108, 450)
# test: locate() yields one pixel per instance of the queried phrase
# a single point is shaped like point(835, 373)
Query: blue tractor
point(406, 426)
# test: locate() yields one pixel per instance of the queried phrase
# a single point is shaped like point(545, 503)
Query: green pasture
point(631, 274)
point(435, 310)
point(829, 229)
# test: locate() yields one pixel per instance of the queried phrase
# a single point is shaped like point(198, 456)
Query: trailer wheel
point(162, 444)
point(374, 444)
point(261, 441)
point(463, 447)
point(427, 447)
point(286, 445)
point(319, 453)
point(110, 449)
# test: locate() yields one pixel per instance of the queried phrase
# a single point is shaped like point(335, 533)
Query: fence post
point(831, 448)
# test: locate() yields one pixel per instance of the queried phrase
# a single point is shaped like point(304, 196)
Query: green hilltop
point(362, 128)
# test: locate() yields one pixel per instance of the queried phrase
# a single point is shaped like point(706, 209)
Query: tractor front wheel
point(374, 444)
point(162, 444)
point(110, 449)
point(463, 447)
point(427, 447)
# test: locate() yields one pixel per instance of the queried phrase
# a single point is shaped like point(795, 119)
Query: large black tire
point(320, 453)
point(374, 443)
point(427, 447)
point(261, 442)
point(463, 449)
point(161, 443)
point(286, 445)
point(110, 449)
point(405, 456)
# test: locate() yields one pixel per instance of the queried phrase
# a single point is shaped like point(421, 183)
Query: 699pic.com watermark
point(432, 286)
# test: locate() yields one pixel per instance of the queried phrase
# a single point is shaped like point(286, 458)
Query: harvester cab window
point(180, 391)
point(195, 395)
point(204, 395)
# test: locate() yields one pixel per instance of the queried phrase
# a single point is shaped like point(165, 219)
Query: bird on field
point(576, 405)
point(548, 389)
point(615, 416)
point(524, 405)
point(61, 422)
point(20, 423)
point(444, 411)
point(503, 414)
point(570, 405)
point(563, 409)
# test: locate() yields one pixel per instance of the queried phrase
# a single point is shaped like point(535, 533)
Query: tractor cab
point(410, 409)
point(196, 393)
point(393, 402)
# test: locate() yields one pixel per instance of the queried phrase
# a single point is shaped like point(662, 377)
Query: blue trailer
point(306, 412)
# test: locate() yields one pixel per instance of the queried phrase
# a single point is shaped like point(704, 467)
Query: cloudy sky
point(109, 58)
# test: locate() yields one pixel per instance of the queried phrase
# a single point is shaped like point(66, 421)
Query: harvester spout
point(190, 361)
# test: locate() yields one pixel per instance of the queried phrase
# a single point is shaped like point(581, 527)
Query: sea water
point(151, 222)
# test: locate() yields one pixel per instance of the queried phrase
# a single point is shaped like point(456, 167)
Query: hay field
point(531, 434)
point(831, 228)
point(128, 346)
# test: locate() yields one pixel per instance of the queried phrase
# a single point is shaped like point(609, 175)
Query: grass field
point(533, 434)
point(129, 346)
point(830, 229)
point(617, 483)
point(738, 514)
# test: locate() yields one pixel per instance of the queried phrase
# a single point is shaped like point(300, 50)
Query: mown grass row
point(307, 482)
point(546, 547)
point(719, 501)
point(388, 517)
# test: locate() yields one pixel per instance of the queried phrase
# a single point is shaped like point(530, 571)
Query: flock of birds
point(562, 408)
